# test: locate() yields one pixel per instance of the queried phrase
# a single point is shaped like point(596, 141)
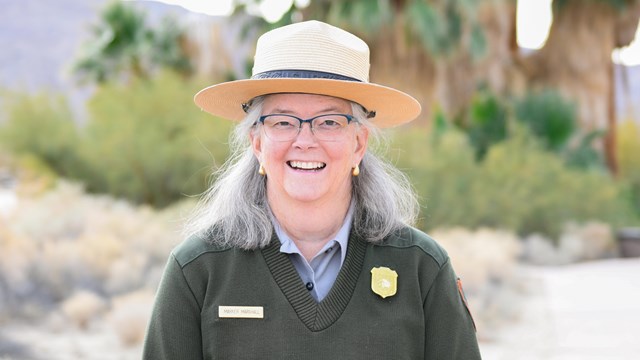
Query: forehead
point(305, 103)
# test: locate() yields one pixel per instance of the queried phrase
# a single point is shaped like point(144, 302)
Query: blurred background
point(526, 158)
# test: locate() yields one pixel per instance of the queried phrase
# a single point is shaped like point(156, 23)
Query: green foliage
point(149, 143)
point(533, 190)
point(427, 26)
point(584, 155)
point(167, 51)
point(548, 116)
point(123, 45)
point(361, 15)
point(440, 25)
point(628, 150)
point(487, 122)
point(145, 141)
point(478, 43)
point(619, 5)
point(519, 186)
point(40, 125)
point(437, 26)
point(442, 170)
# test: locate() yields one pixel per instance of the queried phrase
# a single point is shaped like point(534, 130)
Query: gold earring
point(356, 171)
point(261, 170)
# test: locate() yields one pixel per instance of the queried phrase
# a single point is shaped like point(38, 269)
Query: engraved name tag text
point(241, 312)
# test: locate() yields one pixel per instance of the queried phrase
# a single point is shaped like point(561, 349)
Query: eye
point(329, 123)
point(281, 122)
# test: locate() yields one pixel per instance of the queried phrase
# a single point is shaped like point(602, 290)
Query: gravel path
point(588, 311)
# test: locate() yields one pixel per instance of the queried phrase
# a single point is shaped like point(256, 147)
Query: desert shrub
point(26, 173)
point(145, 141)
point(442, 169)
point(628, 150)
point(83, 307)
point(548, 116)
point(149, 143)
point(130, 314)
point(578, 242)
point(64, 241)
point(40, 125)
point(533, 190)
point(486, 261)
point(519, 186)
point(486, 122)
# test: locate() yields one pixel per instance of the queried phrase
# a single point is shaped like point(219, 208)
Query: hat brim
point(392, 107)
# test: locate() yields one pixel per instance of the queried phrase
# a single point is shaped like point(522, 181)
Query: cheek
point(272, 153)
point(342, 155)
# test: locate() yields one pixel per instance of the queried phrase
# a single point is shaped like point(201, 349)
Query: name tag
point(241, 312)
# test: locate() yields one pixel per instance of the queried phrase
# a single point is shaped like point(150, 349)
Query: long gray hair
point(234, 211)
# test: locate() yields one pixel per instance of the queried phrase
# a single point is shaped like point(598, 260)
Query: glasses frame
point(262, 118)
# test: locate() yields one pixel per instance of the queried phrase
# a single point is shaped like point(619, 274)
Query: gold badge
point(384, 281)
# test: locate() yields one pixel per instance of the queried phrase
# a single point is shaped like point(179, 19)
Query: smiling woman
point(304, 246)
point(310, 174)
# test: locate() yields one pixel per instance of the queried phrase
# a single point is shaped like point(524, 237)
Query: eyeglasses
point(284, 127)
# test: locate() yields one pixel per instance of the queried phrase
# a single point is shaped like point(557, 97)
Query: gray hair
point(234, 210)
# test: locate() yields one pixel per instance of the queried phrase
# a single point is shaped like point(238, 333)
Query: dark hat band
point(301, 74)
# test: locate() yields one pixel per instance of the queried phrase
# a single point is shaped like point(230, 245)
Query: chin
point(305, 197)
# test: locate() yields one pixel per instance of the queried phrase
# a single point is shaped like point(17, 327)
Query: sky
point(534, 20)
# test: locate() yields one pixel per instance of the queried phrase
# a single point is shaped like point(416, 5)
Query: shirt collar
point(342, 237)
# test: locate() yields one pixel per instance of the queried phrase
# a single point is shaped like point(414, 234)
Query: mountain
point(39, 38)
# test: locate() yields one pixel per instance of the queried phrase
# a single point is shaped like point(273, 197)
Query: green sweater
point(425, 319)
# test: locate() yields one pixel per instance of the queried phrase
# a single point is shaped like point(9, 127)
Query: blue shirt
point(319, 274)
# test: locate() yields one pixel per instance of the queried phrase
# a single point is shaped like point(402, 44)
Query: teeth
point(307, 165)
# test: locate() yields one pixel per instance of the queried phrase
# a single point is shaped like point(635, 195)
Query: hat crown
point(312, 46)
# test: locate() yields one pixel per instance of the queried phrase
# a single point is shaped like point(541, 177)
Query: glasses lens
point(281, 127)
point(330, 127)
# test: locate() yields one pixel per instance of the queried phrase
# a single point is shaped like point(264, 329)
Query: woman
point(302, 248)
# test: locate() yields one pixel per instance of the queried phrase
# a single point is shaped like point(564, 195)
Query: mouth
point(306, 165)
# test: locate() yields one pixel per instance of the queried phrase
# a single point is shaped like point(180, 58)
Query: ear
point(256, 144)
point(362, 141)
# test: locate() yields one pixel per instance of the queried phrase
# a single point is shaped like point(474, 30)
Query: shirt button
point(309, 286)
point(328, 250)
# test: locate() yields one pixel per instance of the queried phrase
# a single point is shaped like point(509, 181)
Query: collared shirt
point(319, 274)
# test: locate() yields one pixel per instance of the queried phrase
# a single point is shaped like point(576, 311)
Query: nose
point(305, 137)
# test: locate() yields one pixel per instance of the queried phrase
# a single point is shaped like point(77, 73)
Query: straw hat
point(316, 58)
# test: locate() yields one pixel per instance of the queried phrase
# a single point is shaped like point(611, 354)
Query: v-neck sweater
point(425, 319)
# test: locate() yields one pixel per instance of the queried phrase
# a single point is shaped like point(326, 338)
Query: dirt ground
point(587, 311)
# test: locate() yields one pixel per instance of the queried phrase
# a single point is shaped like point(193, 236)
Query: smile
point(306, 165)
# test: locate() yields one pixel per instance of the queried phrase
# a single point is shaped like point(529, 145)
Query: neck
point(310, 224)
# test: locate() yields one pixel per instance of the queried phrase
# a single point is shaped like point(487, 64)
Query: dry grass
point(486, 261)
point(83, 307)
point(64, 241)
point(578, 242)
point(129, 316)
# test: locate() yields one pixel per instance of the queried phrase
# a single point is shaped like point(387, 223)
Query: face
point(306, 169)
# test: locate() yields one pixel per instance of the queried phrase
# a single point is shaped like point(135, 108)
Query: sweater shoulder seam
point(194, 247)
point(410, 237)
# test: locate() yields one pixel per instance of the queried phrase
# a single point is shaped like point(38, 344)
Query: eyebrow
point(324, 110)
